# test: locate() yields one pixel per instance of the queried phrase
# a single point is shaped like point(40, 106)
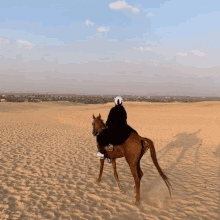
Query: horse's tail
point(147, 143)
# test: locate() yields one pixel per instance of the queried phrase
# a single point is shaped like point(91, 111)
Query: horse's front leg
point(116, 175)
point(101, 170)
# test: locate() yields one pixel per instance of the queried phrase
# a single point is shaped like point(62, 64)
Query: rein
point(99, 131)
point(96, 133)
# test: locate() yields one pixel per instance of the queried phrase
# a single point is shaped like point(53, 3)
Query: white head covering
point(118, 98)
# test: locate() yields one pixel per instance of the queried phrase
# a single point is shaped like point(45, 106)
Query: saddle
point(110, 147)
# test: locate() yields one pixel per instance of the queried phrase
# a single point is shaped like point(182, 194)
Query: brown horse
point(132, 149)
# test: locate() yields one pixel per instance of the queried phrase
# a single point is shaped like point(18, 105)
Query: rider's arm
point(110, 117)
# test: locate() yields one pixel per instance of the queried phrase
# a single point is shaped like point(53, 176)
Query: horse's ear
point(99, 116)
point(93, 116)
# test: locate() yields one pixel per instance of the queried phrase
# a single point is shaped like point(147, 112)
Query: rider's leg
point(101, 152)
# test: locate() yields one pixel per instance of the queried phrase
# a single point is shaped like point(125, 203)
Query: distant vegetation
point(101, 99)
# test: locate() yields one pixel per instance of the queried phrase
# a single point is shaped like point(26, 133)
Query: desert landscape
point(48, 169)
point(59, 69)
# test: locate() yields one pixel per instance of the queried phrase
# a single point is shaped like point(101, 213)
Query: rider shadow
point(155, 193)
point(187, 142)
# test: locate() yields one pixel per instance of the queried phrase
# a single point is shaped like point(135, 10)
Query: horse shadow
point(156, 187)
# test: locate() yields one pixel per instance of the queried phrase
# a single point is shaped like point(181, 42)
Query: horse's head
point(98, 125)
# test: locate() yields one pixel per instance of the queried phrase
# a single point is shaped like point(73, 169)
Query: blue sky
point(179, 33)
point(65, 20)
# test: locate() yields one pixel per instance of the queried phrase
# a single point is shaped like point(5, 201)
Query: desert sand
point(48, 169)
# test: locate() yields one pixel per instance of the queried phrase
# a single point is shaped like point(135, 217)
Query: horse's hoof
point(137, 203)
point(122, 191)
point(97, 181)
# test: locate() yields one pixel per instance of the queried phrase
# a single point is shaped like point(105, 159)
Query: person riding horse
point(117, 131)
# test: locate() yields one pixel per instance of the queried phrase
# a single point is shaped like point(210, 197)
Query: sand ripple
point(47, 167)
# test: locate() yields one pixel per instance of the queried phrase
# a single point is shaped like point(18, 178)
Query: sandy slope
point(47, 166)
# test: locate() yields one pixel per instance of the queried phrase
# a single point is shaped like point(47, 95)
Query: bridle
point(96, 133)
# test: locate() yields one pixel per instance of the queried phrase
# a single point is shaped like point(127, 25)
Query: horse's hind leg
point(101, 170)
point(137, 182)
point(144, 149)
point(133, 168)
point(140, 173)
point(116, 175)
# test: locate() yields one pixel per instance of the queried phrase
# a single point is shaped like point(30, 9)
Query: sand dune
point(48, 168)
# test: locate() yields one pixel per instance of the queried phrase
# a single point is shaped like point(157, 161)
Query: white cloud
point(119, 5)
point(135, 10)
point(88, 22)
point(103, 29)
point(150, 14)
point(182, 54)
point(26, 44)
point(122, 5)
point(142, 48)
point(4, 41)
point(197, 53)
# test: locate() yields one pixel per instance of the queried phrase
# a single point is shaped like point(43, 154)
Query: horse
point(133, 150)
